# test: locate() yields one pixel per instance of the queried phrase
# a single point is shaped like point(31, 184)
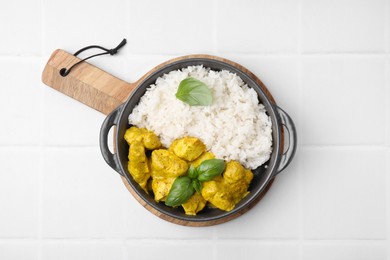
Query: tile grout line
point(294, 53)
point(244, 54)
point(216, 45)
point(41, 175)
point(386, 27)
point(301, 146)
point(128, 32)
point(387, 69)
point(170, 240)
point(41, 147)
point(291, 241)
point(40, 182)
point(215, 243)
point(43, 31)
point(215, 26)
point(125, 253)
point(215, 50)
point(40, 205)
point(387, 126)
point(41, 142)
point(345, 146)
point(300, 114)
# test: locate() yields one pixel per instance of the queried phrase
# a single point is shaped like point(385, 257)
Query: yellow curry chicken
point(157, 173)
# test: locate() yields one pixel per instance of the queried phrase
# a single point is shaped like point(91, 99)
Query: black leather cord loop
point(64, 72)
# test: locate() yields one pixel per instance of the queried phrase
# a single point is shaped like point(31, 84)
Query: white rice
point(234, 127)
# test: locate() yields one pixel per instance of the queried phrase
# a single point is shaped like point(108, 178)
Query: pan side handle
point(110, 121)
point(86, 83)
point(289, 153)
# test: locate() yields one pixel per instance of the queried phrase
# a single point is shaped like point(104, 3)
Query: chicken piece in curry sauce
point(188, 148)
point(138, 164)
point(149, 139)
point(140, 139)
point(166, 167)
point(225, 191)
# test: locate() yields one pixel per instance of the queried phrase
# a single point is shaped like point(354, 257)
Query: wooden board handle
point(86, 83)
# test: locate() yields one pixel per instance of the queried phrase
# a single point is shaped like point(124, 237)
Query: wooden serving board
point(105, 92)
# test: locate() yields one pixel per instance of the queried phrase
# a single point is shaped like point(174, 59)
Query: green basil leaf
point(192, 172)
point(180, 191)
point(194, 92)
point(197, 185)
point(209, 169)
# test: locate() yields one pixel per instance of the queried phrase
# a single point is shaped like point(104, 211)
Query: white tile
point(344, 193)
point(233, 250)
point(140, 223)
point(343, 100)
point(76, 24)
point(81, 250)
point(171, 27)
point(275, 216)
point(343, 26)
point(69, 122)
point(82, 195)
point(19, 250)
point(257, 26)
point(21, 28)
point(165, 249)
point(19, 192)
point(359, 250)
point(20, 103)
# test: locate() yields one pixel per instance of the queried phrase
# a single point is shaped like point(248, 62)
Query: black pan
point(263, 175)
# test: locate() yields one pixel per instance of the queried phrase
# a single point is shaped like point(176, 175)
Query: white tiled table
point(327, 64)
